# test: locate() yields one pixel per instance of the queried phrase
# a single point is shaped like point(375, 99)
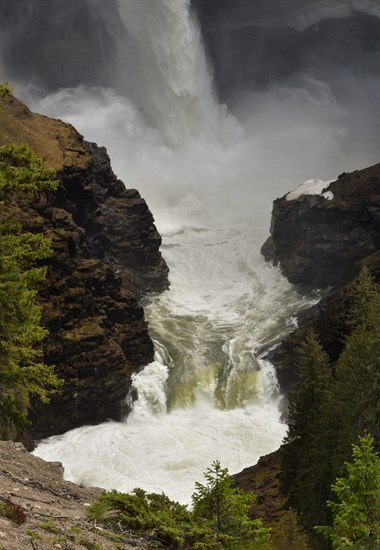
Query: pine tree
point(225, 508)
point(357, 389)
point(22, 372)
point(356, 511)
point(306, 477)
point(328, 413)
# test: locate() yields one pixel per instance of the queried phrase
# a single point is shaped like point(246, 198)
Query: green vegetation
point(224, 509)
point(5, 89)
point(288, 534)
point(219, 519)
point(306, 455)
point(332, 407)
point(34, 535)
point(12, 511)
point(48, 525)
point(356, 514)
point(22, 373)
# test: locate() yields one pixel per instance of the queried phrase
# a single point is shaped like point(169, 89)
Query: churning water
point(209, 179)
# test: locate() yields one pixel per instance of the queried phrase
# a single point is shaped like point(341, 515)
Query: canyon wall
point(105, 257)
point(322, 241)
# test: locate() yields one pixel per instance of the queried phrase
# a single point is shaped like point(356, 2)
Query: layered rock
point(319, 241)
point(105, 254)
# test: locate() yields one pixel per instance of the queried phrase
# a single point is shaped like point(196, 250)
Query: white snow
point(311, 187)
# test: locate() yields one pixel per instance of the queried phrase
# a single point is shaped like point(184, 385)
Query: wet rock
point(324, 243)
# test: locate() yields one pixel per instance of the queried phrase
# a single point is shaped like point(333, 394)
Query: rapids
point(209, 177)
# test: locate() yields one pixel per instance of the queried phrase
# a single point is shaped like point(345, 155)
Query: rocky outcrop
point(263, 479)
point(119, 227)
point(323, 242)
point(318, 241)
point(39, 510)
point(328, 320)
point(105, 254)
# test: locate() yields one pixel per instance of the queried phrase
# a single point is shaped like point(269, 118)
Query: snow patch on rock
point(311, 187)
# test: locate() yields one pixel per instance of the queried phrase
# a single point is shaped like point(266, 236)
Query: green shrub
point(173, 524)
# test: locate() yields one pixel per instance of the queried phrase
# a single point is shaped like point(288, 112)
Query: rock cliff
point(105, 255)
point(324, 242)
point(320, 241)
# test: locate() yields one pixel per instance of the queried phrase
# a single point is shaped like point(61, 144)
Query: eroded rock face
point(328, 319)
point(119, 227)
point(105, 254)
point(317, 241)
point(263, 480)
point(324, 243)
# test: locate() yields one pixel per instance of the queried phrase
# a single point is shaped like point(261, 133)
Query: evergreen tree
point(306, 477)
point(356, 511)
point(218, 521)
point(22, 373)
point(327, 414)
point(357, 389)
point(363, 311)
point(225, 509)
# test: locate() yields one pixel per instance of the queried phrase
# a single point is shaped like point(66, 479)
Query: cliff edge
point(39, 510)
point(320, 239)
point(105, 257)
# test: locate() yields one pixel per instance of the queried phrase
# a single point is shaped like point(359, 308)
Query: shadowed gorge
point(211, 109)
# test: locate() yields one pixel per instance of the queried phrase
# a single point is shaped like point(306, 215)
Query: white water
point(173, 83)
point(208, 395)
point(209, 180)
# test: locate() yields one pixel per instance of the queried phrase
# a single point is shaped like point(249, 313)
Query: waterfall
point(209, 179)
point(174, 83)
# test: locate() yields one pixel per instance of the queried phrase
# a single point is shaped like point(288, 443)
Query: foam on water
point(209, 179)
point(209, 394)
point(169, 452)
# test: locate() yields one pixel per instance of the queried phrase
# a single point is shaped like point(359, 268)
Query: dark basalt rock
point(105, 255)
point(119, 227)
point(318, 242)
point(327, 319)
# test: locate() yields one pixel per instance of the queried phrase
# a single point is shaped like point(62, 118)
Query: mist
point(82, 64)
point(209, 142)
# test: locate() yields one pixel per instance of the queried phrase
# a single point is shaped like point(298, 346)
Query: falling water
point(173, 80)
point(209, 394)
